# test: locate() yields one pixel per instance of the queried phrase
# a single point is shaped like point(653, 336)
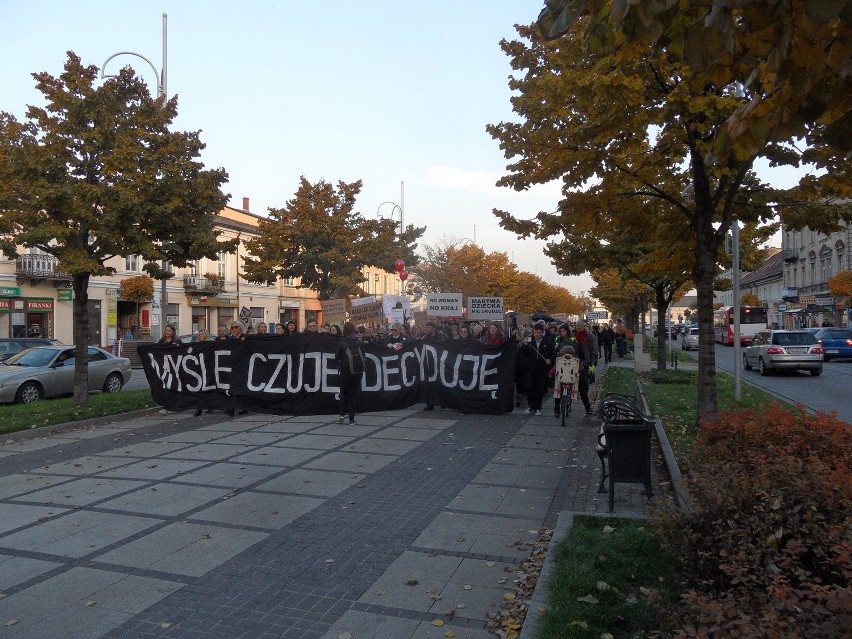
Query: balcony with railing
point(203, 284)
point(38, 268)
point(790, 255)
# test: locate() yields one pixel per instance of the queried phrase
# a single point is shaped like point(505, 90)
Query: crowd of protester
point(539, 345)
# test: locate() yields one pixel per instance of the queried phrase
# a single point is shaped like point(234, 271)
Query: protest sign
point(334, 311)
point(368, 313)
point(444, 304)
point(485, 308)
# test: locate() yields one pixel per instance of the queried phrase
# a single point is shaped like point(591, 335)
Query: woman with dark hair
point(169, 336)
point(494, 336)
point(335, 330)
point(349, 357)
point(464, 332)
point(563, 338)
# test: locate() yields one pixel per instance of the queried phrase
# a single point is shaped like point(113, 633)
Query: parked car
point(14, 345)
point(836, 342)
point(48, 371)
point(689, 339)
point(672, 330)
point(776, 349)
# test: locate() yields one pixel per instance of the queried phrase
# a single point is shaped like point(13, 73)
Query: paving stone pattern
point(297, 527)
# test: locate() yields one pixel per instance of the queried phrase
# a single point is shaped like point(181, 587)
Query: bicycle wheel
point(565, 404)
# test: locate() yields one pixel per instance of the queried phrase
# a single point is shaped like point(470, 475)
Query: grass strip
point(17, 417)
point(611, 576)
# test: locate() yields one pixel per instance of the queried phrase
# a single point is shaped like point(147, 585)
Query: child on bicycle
point(567, 372)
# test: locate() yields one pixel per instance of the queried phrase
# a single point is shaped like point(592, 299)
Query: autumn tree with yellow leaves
point(673, 103)
point(452, 265)
point(840, 285)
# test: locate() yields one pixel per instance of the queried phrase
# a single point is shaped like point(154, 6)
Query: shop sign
point(10, 291)
point(825, 301)
point(782, 307)
point(789, 292)
point(288, 304)
point(39, 305)
point(807, 299)
point(212, 301)
point(65, 295)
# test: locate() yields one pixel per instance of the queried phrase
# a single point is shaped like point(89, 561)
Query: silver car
point(48, 371)
point(689, 339)
point(790, 350)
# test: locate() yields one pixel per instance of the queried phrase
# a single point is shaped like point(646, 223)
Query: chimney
point(245, 204)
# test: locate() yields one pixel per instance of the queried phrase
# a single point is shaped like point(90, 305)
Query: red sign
point(146, 318)
point(35, 305)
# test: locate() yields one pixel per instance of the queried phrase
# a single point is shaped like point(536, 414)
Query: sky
point(396, 94)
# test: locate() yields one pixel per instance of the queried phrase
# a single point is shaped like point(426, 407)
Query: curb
point(56, 429)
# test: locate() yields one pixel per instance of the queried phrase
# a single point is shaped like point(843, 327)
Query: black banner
point(298, 375)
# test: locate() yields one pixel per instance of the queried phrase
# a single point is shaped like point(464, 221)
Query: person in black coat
point(349, 357)
point(607, 339)
point(537, 355)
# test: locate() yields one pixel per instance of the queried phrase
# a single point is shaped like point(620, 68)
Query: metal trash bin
point(626, 438)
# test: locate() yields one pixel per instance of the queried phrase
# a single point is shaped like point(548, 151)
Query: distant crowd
point(549, 354)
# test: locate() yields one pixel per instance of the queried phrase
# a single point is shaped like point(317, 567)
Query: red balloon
point(400, 266)
point(403, 275)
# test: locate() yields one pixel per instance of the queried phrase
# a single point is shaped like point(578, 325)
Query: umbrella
point(541, 316)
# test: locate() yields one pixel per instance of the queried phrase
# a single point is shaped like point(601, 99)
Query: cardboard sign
point(485, 308)
point(334, 311)
point(444, 304)
point(369, 313)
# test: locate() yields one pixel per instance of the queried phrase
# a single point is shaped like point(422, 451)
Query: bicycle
point(565, 402)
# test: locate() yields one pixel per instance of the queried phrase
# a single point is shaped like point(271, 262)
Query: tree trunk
point(705, 266)
point(81, 337)
point(662, 330)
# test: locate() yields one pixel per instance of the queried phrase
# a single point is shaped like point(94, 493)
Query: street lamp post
point(396, 207)
point(161, 93)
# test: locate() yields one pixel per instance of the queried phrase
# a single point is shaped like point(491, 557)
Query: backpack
point(354, 358)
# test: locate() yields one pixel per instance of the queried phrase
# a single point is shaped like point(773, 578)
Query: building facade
point(810, 259)
point(36, 297)
point(766, 283)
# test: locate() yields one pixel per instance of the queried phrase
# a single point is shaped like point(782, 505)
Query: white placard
point(485, 308)
point(444, 304)
point(396, 308)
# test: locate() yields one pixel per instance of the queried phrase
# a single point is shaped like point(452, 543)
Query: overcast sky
point(385, 92)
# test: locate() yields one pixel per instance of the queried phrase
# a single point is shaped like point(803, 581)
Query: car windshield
point(794, 339)
point(32, 357)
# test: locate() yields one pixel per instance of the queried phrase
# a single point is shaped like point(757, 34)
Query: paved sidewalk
point(270, 526)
